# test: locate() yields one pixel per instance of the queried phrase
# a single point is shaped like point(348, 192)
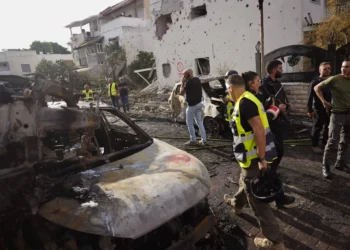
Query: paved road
point(320, 218)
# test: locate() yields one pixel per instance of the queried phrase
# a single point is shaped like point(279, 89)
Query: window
point(203, 66)
point(99, 48)
point(100, 58)
point(91, 50)
point(83, 62)
point(166, 70)
point(26, 68)
point(81, 53)
point(163, 23)
point(4, 66)
point(198, 11)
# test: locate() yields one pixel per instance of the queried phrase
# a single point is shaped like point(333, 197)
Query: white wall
point(317, 11)
point(227, 34)
point(55, 57)
point(16, 58)
point(136, 39)
point(134, 34)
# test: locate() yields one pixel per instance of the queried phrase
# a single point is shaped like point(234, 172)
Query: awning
point(82, 22)
point(94, 70)
point(90, 43)
point(116, 38)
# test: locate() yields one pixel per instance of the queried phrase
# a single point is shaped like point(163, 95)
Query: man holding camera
point(192, 87)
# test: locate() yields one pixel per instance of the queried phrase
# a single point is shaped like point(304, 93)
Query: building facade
point(126, 24)
point(24, 62)
point(212, 36)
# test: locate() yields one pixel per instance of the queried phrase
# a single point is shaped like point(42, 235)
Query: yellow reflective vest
point(244, 143)
point(112, 91)
point(88, 94)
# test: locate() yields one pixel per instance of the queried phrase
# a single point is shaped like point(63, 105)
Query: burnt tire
point(213, 126)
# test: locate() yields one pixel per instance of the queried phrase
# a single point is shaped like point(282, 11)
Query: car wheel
point(212, 126)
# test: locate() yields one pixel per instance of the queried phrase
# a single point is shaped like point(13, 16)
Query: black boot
point(326, 172)
point(284, 200)
point(341, 166)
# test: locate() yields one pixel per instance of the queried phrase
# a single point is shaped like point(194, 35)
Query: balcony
point(121, 22)
point(77, 39)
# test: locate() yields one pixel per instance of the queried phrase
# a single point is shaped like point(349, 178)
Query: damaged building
point(126, 23)
point(20, 62)
point(211, 36)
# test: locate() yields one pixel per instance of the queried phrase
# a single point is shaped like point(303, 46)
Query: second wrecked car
point(213, 90)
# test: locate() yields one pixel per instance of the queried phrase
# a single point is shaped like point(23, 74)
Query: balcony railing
point(121, 22)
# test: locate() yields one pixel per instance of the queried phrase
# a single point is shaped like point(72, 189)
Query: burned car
point(82, 175)
point(213, 90)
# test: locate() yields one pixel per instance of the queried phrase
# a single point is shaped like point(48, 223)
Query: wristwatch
point(261, 159)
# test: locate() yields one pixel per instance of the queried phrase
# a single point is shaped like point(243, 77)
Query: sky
point(24, 21)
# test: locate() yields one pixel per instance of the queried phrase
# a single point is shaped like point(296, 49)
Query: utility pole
point(261, 8)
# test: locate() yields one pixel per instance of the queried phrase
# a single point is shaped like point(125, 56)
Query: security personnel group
point(256, 111)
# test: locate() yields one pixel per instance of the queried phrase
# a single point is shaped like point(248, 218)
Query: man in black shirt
point(254, 149)
point(316, 110)
point(123, 92)
point(193, 88)
point(269, 88)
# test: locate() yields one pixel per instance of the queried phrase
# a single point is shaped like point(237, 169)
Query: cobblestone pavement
point(319, 219)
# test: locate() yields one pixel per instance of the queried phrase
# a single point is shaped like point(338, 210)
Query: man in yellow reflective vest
point(113, 93)
point(254, 150)
point(89, 94)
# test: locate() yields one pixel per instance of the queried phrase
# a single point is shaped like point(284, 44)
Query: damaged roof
point(89, 43)
point(116, 7)
point(82, 22)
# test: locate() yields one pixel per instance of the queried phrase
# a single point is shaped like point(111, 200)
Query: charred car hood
point(134, 195)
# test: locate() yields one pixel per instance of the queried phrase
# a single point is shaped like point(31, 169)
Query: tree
point(58, 49)
point(114, 61)
point(143, 60)
point(54, 70)
point(65, 74)
point(335, 29)
point(48, 48)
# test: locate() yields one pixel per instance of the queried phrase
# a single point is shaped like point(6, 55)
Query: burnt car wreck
point(82, 175)
point(213, 91)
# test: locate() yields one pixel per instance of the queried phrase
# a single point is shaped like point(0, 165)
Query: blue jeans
point(195, 112)
point(115, 102)
point(125, 102)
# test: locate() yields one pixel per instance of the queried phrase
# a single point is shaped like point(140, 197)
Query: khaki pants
point(263, 213)
point(338, 137)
